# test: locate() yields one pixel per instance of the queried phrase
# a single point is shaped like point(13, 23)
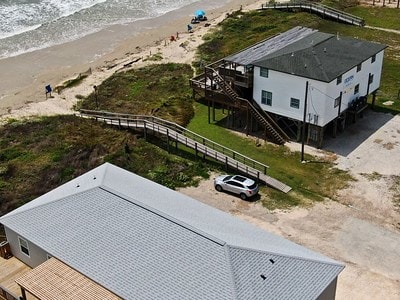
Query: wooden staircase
point(275, 132)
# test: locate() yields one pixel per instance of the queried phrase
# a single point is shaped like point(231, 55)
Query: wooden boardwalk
point(178, 134)
point(320, 9)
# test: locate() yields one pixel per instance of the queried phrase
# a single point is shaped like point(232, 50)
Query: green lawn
point(314, 181)
point(378, 16)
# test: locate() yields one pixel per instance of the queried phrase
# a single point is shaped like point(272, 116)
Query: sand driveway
point(362, 228)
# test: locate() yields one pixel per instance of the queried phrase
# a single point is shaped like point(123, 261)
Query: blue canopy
point(200, 13)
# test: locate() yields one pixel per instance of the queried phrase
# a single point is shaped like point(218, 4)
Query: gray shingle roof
point(261, 275)
point(143, 241)
point(275, 43)
point(310, 54)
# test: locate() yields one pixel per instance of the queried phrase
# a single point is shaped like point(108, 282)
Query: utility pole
point(303, 134)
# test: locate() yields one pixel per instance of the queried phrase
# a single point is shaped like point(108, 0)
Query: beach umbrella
point(200, 13)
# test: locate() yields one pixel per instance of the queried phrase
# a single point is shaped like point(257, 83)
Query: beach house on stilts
point(295, 85)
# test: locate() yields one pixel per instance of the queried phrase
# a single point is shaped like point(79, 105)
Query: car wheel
point(243, 196)
point(218, 188)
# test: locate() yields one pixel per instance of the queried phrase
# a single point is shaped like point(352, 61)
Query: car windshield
point(227, 178)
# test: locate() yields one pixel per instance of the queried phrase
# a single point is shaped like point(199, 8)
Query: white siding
point(376, 69)
point(36, 255)
point(321, 95)
point(286, 86)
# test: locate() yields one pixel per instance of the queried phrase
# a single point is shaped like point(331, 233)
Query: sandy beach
point(23, 81)
point(361, 228)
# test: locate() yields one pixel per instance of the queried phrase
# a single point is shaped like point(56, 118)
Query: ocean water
point(28, 25)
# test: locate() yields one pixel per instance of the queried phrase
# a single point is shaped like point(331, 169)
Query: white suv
point(236, 184)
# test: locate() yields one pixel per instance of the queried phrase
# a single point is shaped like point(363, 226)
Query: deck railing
point(182, 135)
point(7, 295)
point(324, 10)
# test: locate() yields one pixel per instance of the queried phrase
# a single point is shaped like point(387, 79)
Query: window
point(266, 98)
point(234, 183)
point(373, 58)
point(337, 102)
point(295, 103)
point(356, 89)
point(358, 67)
point(23, 245)
point(371, 78)
point(316, 119)
point(264, 72)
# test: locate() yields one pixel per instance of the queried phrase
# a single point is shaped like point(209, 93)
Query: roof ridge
point(67, 189)
point(319, 64)
point(165, 216)
point(6, 216)
point(232, 275)
point(333, 263)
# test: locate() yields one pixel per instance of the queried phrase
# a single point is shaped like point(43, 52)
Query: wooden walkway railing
point(7, 295)
point(320, 9)
point(176, 133)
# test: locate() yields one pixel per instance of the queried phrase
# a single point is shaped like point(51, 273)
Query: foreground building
point(115, 235)
point(301, 77)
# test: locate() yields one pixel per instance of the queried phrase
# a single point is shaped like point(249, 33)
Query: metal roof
point(141, 240)
point(271, 45)
point(308, 53)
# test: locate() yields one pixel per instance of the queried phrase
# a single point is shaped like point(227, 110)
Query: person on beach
point(190, 28)
point(48, 90)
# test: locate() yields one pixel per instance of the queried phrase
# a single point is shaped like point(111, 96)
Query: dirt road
point(362, 228)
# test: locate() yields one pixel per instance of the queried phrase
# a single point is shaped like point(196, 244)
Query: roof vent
point(272, 261)
point(263, 276)
point(77, 185)
point(305, 65)
point(325, 49)
point(94, 177)
point(292, 54)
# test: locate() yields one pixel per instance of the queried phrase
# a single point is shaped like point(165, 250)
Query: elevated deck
point(11, 269)
point(215, 84)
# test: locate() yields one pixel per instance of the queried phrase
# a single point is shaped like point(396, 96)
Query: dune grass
point(39, 155)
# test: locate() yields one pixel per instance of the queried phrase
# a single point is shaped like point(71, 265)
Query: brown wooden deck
point(11, 269)
point(55, 280)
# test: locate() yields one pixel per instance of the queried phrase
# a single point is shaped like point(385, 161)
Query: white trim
point(23, 246)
